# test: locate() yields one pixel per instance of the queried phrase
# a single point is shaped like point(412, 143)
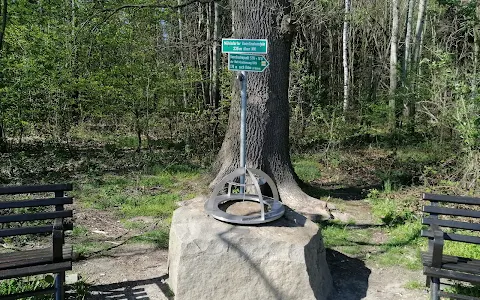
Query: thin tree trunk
point(393, 64)
point(419, 32)
point(3, 25)
point(476, 50)
point(268, 106)
point(216, 55)
point(182, 58)
point(345, 47)
point(408, 37)
point(415, 59)
point(208, 66)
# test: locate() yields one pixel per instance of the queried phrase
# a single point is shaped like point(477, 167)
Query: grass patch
point(402, 246)
point(346, 238)
point(462, 249)
point(407, 256)
point(20, 285)
point(151, 193)
point(161, 205)
point(415, 285)
point(307, 169)
point(158, 237)
point(79, 231)
point(87, 248)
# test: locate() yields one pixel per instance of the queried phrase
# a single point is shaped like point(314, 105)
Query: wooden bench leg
point(434, 288)
point(59, 290)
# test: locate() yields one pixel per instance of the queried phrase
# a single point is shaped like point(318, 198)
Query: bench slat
point(29, 294)
point(26, 189)
point(454, 237)
point(36, 202)
point(451, 211)
point(31, 257)
point(451, 224)
point(36, 216)
point(451, 199)
point(455, 296)
point(35, 270)
point(31, 230)
point(452, 259)
point(454, 263)
point(449, 274)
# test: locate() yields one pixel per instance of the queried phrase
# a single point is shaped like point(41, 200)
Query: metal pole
point(243, 127)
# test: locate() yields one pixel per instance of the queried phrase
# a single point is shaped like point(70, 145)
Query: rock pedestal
point(209, 259)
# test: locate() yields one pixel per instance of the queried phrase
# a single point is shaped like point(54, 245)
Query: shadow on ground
point(350, 276)
point(348, 193)
point(131, 290)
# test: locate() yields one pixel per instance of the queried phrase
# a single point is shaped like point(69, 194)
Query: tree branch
point(113, 11)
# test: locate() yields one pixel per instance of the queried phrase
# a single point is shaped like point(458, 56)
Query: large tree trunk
point(268, 107)
point(393, 65)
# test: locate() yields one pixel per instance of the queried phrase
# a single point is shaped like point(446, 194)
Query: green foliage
point(462, 249)
point(306, 169)
point(463, 289)
point(19, 285)
point(389, 210)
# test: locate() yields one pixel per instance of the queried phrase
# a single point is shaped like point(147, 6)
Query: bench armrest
point(435, 246)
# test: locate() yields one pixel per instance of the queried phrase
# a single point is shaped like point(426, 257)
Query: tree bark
point(182, 58)
point(3, 11)
point(268, 106)
point(3, 26)
point(215, 94)
point(345, 40)
point(208, 66)
point(415, 59)
point(393, 65)
point(476, 50)
point(419, 32)
point(408, 38)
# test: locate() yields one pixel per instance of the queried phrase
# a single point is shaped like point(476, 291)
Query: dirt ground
point(139, 271)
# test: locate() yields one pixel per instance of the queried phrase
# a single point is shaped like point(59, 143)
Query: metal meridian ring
point(276, 208)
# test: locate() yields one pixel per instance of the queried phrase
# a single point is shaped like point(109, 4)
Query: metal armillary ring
point(248, 192)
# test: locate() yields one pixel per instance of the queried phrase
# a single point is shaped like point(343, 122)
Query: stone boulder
point(209, 259)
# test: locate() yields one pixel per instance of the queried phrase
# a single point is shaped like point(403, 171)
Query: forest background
point(130, 101)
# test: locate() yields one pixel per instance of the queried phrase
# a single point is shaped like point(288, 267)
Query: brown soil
point(139, 271)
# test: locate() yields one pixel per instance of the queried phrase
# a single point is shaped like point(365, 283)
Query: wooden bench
point(55, 259)
point(460, 213)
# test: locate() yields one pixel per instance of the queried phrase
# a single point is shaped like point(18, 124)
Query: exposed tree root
point(314, 209)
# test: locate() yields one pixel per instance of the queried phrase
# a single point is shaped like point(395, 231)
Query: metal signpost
point(244, 55)
point(243, 63)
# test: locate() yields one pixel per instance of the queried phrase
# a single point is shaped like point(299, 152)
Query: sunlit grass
point(307, 169)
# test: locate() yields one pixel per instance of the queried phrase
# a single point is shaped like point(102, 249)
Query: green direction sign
point(247, 62)
point(244, 46)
